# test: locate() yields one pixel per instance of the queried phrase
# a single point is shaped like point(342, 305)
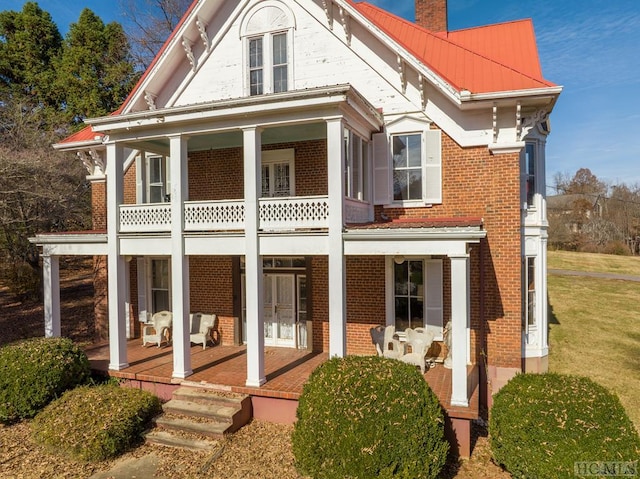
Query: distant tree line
point(49, 84)
point(587, 214)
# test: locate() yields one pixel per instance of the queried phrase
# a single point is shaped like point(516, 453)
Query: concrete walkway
point(144, 467)
point(592, 274)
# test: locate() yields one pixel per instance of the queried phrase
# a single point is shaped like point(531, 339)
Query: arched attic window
point(267, 36)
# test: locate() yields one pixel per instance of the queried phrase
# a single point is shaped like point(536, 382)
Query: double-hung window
point(268, 64)
point(530, 293)
point(356, 167)
point(407, 165)
point(530, 173)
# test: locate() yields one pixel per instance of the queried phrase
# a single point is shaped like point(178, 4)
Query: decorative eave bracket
point(346, 24)
point(187, 45)
point(328, 10)
point(402, 71)
point(202, 28)
point(150, 98)
point(93, 162)
point(539, 119)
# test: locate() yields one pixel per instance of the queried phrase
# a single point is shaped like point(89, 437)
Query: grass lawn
point(598, 263)
point(595, 324)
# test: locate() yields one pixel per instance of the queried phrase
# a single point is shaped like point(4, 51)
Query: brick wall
point(432, 14)
point(477, 183)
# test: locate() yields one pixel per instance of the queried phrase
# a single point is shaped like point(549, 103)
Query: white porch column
point(115, 263)
point(179, 261)
point(51, 286)
point(254, 289)
point(337, 264)
point(460, 295)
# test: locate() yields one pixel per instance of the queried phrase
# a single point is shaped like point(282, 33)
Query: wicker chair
point(202, 327)
point(418, 343)
point(159, 329)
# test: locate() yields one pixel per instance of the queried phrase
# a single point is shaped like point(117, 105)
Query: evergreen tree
point(96, 72)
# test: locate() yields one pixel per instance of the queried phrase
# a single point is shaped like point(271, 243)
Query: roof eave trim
point(469, 234)
point(466, 96)
point(78, 145)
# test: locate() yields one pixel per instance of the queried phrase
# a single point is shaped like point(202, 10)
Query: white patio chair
point(418, 343)
point(392, 347)
point(202, 327)
point(377, 338)
point(159, 329)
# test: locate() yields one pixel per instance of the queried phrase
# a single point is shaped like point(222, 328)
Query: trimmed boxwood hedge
point(542, 424)
point(94, 423)
point(36, 371)
point(364, 417)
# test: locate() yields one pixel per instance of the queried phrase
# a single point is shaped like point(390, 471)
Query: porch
point(225, 368)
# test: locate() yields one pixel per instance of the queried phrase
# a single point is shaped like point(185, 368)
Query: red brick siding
point(216, 175)
point(477, 183)
point(212, 291)
point(99, 205)
point(432, 14)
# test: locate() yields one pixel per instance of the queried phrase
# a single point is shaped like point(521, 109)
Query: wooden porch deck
point(225, 367)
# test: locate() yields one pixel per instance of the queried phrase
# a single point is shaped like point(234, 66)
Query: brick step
point(192, 425)
point(164, 438)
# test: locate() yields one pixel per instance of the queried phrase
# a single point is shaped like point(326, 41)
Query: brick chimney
point(432, 15)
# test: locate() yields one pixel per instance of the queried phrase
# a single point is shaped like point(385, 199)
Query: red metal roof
point(448, 222)
point(487, 59)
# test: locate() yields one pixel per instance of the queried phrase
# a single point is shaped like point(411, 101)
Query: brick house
point(310, 169)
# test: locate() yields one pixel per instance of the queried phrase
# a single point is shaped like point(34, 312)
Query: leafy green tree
point(96, 71)
point(30, 43)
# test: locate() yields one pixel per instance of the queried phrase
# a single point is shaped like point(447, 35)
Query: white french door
point(279, 310)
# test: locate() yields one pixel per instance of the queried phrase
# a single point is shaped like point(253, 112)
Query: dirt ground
point(259, 450)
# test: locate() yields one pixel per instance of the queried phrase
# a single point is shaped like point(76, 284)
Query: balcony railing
point(275, 214)
point(294, 212)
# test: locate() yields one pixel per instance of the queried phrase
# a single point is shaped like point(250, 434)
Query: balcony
point(275, 214)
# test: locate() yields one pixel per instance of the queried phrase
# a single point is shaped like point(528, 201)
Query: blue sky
point(590, 47)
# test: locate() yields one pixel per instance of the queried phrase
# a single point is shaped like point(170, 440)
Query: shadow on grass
point(551, 315)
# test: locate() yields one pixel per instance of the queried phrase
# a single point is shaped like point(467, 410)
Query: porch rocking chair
point(159, 330)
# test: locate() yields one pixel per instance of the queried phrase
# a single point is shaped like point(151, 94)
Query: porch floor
point(226, 367)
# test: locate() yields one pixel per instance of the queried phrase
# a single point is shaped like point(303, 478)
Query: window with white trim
point(530, 293)
point(267, 32)
point(160, 285)
point(278, 173)
point(356, 166)
point(268, 64)
point(418, 294)
point(157, 187)
point(530, 173)
point(407, 166)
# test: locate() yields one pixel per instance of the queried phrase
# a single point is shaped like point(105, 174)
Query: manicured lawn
point(599, 263)
point(595, 324)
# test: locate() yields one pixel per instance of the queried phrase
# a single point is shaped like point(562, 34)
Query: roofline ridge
point(456, 44)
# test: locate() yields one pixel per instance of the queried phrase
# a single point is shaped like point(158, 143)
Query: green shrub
point(36, 371)
point(364, 417)
point(94, 423)
point(542, 424)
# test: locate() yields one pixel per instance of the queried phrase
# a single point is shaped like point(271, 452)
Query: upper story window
point(267, 32)
point(152, 179)
point(530, 173)
point(278, 173)
point(356, 166)
point(268, 76)
point(408, 165)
